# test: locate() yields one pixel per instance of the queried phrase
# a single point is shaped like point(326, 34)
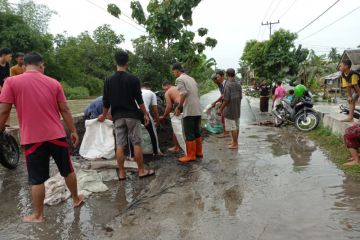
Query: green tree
point(276, 58)
point(334, 56)
point(166, 23)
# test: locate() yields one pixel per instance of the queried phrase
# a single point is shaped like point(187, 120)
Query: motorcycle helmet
point(299, 90)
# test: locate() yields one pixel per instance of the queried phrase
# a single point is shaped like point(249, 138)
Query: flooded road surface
point(278, 185)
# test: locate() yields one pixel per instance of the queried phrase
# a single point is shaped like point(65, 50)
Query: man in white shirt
point(150, 102)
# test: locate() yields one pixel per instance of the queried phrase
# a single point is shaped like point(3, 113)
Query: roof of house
point(332, 76)
point(354, 56)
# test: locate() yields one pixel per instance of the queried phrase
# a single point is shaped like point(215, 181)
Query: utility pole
point(270, 23)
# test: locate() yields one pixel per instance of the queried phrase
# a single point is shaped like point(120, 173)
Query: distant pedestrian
point(122, 93)
point(5, 59)
point(264, 90)
point(39, 102)
point(19, 68)
point(190, 106)
point(232, 107)
point(280, 92)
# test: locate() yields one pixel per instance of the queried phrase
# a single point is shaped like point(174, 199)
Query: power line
point(332, 23)
point(103, 9)
point(266, 13)
point(287, 10)
point(319, 16)
point(274, 10)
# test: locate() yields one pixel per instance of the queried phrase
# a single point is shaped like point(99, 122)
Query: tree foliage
point(276, 58)
point(166, 23)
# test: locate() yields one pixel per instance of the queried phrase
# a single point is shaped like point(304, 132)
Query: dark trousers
point(192, 127)
point(264, 104)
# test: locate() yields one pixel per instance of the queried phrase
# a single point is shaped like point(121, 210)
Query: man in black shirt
point(122, 92)
point(5, 58)
point(264, 90)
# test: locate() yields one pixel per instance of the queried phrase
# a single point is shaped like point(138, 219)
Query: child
point(290, 96)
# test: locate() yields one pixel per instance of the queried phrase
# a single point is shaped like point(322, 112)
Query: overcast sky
point(231, 22)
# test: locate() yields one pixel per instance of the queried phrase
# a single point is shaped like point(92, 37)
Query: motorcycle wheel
point(307, 121)
point(9, 152)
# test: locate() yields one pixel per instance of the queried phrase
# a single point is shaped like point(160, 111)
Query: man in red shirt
point(39, 101)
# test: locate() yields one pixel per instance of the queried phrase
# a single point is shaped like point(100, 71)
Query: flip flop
point(120, 178)
point(149, 173)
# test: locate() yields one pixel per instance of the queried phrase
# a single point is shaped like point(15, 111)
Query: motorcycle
point(9, 151)
point(300, 113)
point(345, 110)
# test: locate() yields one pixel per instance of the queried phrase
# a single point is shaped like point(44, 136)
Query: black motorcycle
point(299, 112)
point(9, 151)
point(345, 110)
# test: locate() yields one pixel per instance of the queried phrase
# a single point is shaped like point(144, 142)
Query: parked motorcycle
point(9, 151)
point(345, 110)
point(300, 113)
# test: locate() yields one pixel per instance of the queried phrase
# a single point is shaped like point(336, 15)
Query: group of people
point(40, 102)
point(230, 104)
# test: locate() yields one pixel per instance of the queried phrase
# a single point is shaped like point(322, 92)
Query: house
point(354, 56)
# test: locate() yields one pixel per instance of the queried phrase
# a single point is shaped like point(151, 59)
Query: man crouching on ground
point(122, 92)
point(39, 100)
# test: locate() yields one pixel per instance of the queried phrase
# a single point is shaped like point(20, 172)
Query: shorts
point(128, 128)
point(38, 159)
point(355, 97)
point(232, 125)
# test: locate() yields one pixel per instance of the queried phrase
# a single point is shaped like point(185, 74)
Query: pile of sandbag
point(88, 182)
point(99, 140)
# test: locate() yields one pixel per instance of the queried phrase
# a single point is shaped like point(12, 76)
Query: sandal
point(149, 173)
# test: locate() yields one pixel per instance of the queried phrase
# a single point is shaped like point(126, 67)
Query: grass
point(335, 147)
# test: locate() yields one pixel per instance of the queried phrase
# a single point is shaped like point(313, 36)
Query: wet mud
point(277, 185)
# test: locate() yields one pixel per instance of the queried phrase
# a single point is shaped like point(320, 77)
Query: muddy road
point(278, 185)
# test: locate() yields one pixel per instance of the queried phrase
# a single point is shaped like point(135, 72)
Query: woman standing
point(264, 90)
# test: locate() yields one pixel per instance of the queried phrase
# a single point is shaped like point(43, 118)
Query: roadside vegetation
point(81, 63)
point(335, 147)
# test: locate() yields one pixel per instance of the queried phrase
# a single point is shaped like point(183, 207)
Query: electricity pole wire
point(337, 1)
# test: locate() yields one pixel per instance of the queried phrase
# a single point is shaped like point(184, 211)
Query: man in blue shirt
point(95, 109)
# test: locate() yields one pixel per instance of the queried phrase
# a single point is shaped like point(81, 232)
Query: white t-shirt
point(149, 98)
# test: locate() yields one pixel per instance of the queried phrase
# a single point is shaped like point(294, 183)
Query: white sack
point(177, 126)
point(98, 141)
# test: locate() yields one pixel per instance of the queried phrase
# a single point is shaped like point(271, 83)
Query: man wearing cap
point(190, 106)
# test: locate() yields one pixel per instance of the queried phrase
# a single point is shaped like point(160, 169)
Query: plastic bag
point(214, 121)
point(177, 126)
point(98, 141)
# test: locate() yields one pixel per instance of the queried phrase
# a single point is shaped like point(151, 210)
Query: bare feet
point(122, 175)
point(347, 120)
point(33, 219)
point(223, 136)
point(78, 202)
point(233, 146)
point(175, 149)
point(352, 163)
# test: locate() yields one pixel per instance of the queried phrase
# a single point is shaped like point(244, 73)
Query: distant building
point(354, 56)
